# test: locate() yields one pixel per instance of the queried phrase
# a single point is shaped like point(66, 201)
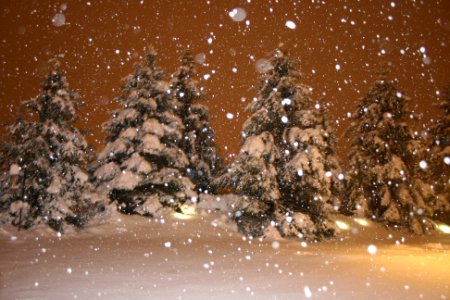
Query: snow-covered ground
point(201, 256)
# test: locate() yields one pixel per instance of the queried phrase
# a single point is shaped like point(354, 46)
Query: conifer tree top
point(56, 102)
point(386, 97)
point(146, 77)
point(183, 83)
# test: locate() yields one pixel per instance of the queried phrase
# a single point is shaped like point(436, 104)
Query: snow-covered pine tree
point(253, 175)
point(286, 168)
point(142, 165)
point(381, 181)
point(439, 169)
point(198, 140)
point(46, 182)
point(310, 179)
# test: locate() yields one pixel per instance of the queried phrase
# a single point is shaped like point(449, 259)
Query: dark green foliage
point(198, 141)
point(382, 181)
point(45, 182)
point(143, 165)
point(286, 167)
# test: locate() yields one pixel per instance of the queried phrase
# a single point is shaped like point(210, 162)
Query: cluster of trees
point(290, 176)
point(160, 151)
point(46, 180)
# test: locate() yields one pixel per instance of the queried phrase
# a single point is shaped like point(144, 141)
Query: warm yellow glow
point(182, 216)
point(361, 221)
point(444, 228)
point(342, 225)
point(188, 210)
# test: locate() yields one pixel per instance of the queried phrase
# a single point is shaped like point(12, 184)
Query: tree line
point(160, 151)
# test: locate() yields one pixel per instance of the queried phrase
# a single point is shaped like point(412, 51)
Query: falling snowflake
point(200, 58)
point(290, 24)
point(238, 14)
point(423, 164)
point(307, 291)
point(447, 160)
point(263, 65)
point(286, 101)
point(59, 20)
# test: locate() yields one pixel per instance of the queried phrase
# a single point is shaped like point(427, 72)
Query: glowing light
point(342, 225)
point(444, 228)
point(362, 222)
point(372, 249)
point(188, 210)
point(182, 216)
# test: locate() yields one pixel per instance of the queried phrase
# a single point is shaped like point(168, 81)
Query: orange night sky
point(339, 45)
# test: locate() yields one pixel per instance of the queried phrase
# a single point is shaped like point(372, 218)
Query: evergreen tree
point(286, 167)
point(254, 176)
point(439, 143)
point(198, 140)
point(142, 164)
point(382, 182)
point(311, 178)
point(46, 182)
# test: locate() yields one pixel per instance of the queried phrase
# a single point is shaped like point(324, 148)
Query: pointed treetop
point(281, 62)
point(383, 70)
point(55, 79)
point(150, 55)
point(54, 63)
point(281, 51)
point(187, 58)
